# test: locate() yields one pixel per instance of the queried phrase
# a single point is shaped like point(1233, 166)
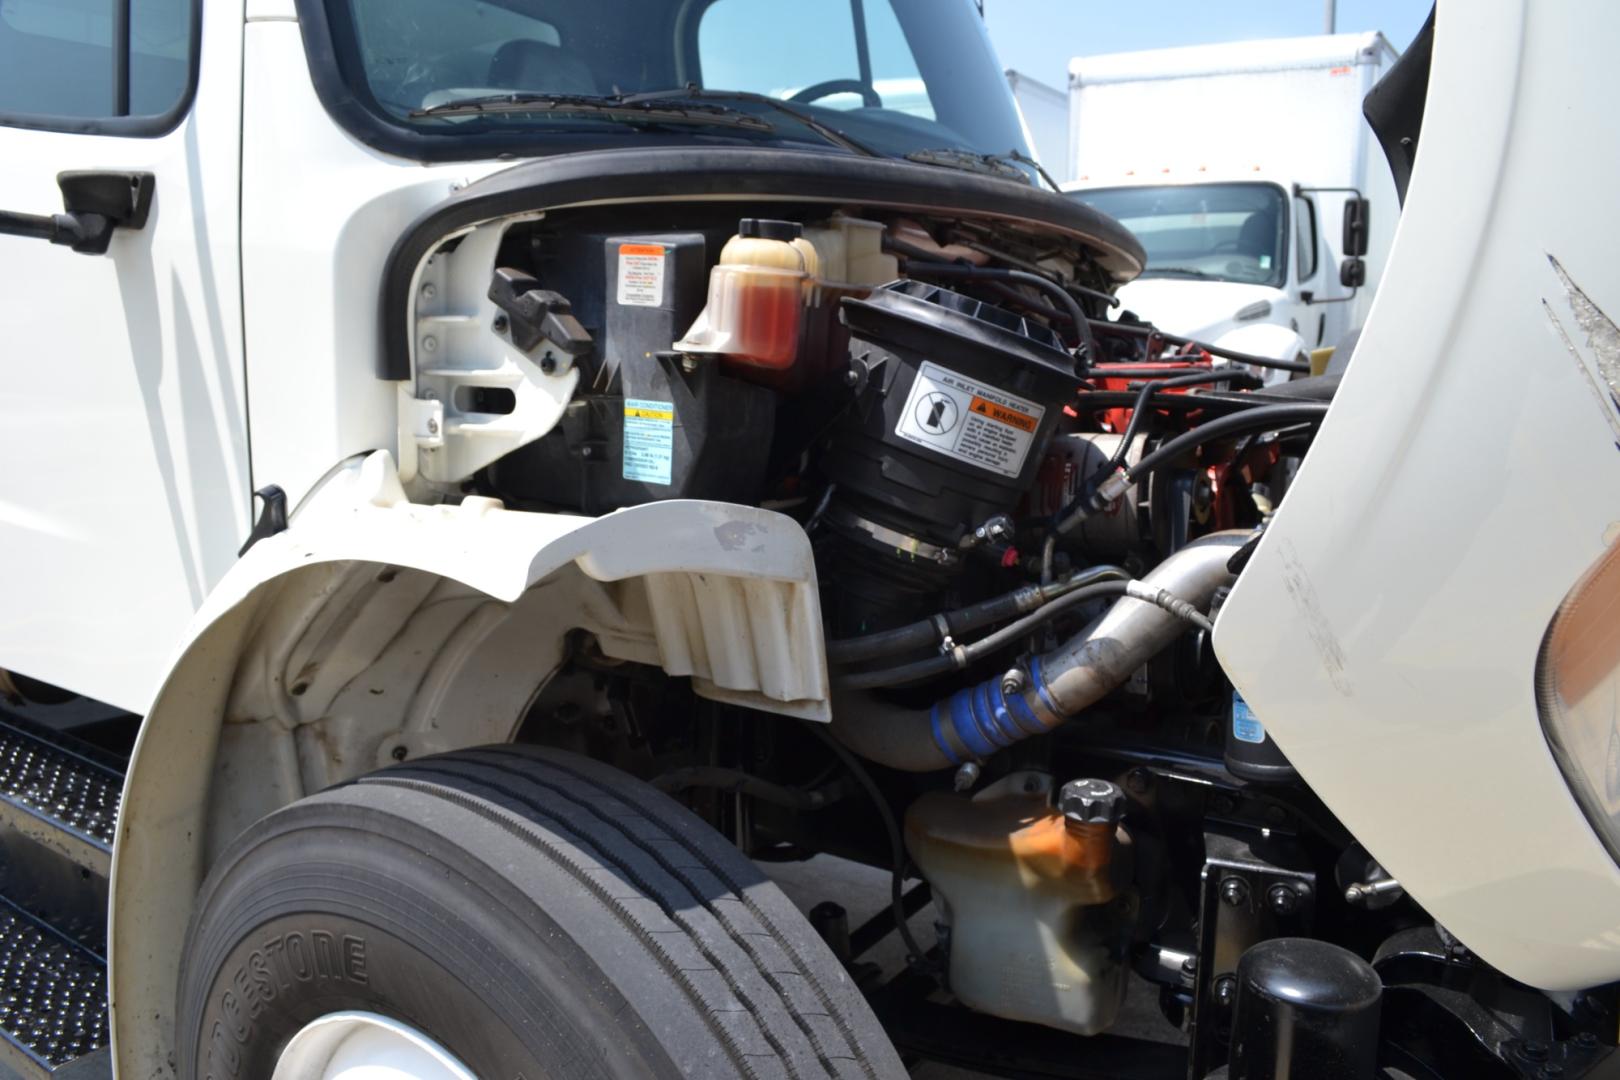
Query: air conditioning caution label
point(963, 419)
point(649, 440)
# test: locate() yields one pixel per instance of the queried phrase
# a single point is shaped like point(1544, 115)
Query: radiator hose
point(972, 724)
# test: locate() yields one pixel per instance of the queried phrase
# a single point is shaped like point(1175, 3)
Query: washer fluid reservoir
point(1037, 902)
point(757, 294)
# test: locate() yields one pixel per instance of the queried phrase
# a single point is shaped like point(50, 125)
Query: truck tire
point(529, 911)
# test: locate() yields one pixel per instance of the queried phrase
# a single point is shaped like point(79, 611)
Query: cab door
point(124, 473)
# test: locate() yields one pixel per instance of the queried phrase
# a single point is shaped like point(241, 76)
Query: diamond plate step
point(58, 795)
point(53, 1002)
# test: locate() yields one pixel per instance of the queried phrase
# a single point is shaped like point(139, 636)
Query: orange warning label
point(641, 249)
point(1004, 415)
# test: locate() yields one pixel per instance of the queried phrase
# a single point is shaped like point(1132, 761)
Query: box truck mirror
point(1356, 211)
point(1353, 272)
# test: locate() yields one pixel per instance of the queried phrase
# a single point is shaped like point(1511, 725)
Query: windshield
point(894, 76)
point(1227, 232)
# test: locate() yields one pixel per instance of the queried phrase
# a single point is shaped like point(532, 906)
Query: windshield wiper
point(1182, 271)
point(691, 91)
point(968, 161)
point(619, 108)
point(1024, 159)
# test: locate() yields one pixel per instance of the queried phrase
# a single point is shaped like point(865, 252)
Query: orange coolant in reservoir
point(768, 312)
point(757, 295)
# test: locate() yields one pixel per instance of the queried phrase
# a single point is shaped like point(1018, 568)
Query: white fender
point(374, 629)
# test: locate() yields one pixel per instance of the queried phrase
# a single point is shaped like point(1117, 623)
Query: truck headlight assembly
point(1578, 693)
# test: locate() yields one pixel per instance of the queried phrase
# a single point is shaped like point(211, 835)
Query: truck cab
point(1242, 263)
point(1252, 178)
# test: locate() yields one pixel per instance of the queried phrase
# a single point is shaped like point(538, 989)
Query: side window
point(1305, 242)
point(85, 60)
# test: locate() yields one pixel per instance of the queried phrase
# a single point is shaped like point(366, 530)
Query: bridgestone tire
point(534, 912)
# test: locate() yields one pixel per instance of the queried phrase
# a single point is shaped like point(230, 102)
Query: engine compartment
point(936, 401)
point(1026, 510)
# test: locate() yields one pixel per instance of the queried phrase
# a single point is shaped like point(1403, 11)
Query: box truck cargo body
point(1234, 164)
point(1045, 112)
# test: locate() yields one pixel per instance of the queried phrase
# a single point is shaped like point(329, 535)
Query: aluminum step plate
point(63, 798)
point(53, 1001)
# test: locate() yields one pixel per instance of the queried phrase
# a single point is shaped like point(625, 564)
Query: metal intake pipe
point(974, 723)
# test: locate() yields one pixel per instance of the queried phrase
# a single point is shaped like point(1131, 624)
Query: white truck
point(1045, 111)
point(486, 480)
point(1251, 178)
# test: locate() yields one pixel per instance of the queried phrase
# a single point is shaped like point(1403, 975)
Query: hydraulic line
point(1247, 422)
point(1198, 378)
point(891, 828)
point(964, 656)
point(1046, 690)
point(1147, 331)
point(926, 633)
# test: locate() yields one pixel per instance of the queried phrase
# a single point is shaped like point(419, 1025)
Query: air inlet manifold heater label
point(963, 419)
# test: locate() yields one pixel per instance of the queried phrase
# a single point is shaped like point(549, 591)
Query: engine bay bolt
point(430, 344)
point(500, 324)
point(967, 774)
point(1138, 780)
point(996, 529)
point(689, 363)
point(1534, 1050)
point(852, 378)
point(1282, 899)
point(1361, 892)
point(1091, 802)
point(429, 290)
point(399, 753)
point(548, 364)
point(433, 426)
point(1013, 682)
point(1234, 892)
point(1225, 990)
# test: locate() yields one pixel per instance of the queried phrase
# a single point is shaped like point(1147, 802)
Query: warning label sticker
point(641, 274)
point(649, 440)
point(963, 419)
point(1246, 725)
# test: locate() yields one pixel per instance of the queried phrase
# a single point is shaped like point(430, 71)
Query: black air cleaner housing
point(955, 403)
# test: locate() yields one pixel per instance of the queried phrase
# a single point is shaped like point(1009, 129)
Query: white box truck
point(1044, 110)
point(1234, 165)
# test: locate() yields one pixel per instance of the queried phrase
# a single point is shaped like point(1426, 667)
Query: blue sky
point(1038, 37)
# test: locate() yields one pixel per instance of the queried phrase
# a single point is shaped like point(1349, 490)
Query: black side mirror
point(1356, 211)
point(1353, 273)
point(96, 204)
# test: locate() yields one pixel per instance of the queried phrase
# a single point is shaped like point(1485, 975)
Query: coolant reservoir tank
point(1038, 906)
point(757, 294)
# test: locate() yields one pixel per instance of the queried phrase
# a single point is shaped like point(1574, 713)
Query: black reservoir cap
point(769, 229)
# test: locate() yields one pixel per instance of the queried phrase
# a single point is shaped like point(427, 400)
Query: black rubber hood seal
point(754, 173)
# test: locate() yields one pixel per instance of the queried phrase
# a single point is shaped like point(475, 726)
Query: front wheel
point(502, 913)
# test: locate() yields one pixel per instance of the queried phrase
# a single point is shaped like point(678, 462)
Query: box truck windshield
point(895, 76)
point(1224, 232)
